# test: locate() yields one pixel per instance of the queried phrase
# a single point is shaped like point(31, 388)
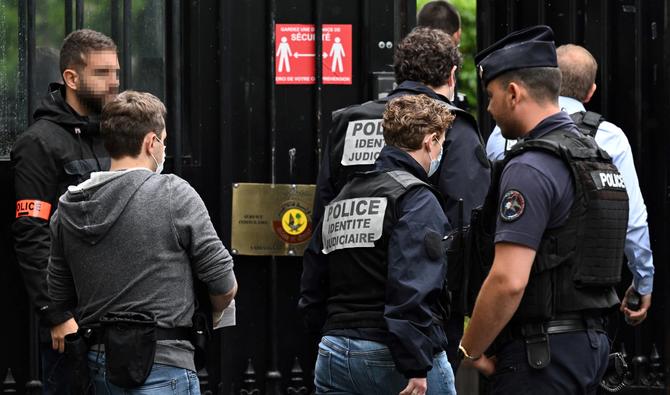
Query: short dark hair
point(407, 119)
point(78, 44)
point(426, 55)
point(127, 119)
point(439, 15)
point(578, 68)
point(543, 83)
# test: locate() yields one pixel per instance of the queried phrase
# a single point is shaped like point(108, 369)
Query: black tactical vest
point(587, 122)
point(363, 124)
point(357, 275)
point(577, 264)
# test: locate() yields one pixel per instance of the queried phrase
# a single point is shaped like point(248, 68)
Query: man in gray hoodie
point(131, 239)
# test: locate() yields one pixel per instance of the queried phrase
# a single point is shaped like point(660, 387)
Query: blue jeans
point(355, 366)
point(163, 379)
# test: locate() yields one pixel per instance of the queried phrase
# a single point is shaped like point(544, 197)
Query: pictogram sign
point(336, 54)
point(295, 54)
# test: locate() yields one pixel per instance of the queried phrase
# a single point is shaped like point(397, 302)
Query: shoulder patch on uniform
point(512, 205)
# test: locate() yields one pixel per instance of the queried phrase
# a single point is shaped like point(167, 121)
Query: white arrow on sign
point(306, 55)
point(303, 55)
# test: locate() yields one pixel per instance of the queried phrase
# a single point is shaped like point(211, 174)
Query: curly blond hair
point(408, 119)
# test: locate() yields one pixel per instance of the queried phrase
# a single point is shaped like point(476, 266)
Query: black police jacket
point(59, 149)
point(388, 291)
point(463, 174)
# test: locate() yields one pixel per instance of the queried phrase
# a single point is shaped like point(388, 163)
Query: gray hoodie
point(131, 241)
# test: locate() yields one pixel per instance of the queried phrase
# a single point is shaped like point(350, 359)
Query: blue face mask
point(435, 163)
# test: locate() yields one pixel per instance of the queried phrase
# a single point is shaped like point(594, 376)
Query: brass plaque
point(271, 219)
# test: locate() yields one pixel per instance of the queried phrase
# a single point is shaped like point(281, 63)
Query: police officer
point(578, 68)
point(61, 148)
point(375, 268)
point(561, 210)
point(425, 63)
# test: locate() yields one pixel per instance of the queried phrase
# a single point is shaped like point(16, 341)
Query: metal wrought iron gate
point(213, 63)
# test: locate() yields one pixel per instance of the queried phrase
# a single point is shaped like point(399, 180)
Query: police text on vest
point(353, 223)
point(363, 142)
point(608, 179)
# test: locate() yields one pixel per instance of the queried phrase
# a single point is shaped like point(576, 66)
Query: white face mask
point(434, 163)
point(159, 166)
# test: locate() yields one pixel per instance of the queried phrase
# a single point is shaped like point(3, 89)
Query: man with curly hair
point(375, 268)
point(440, 14)
point(425, 63)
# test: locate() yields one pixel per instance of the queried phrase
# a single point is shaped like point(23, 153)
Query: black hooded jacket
point(59, 149)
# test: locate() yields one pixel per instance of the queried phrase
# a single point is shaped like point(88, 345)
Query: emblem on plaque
point(293, 225)
point(271, 219)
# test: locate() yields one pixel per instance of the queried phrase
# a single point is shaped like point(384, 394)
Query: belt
point(566, 323)
point(94, 335)
point(535, 335)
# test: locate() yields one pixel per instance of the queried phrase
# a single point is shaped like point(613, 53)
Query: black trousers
point(578, 363)
point(454, 331)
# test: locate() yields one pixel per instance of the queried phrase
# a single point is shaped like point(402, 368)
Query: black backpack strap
point(587, 122)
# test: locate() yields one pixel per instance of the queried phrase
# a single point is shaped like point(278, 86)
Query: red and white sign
point(295, 54)
point(336, 54)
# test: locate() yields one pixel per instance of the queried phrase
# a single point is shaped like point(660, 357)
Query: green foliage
point(467, 82)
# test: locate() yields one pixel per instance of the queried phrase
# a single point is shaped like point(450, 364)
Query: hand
point(59, 331)
point(485, 365)
point(416, 386)
point(635, 317)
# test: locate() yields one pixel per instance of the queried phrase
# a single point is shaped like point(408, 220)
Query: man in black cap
point(558, 210)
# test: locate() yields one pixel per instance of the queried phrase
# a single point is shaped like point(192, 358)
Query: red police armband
point(33, 208)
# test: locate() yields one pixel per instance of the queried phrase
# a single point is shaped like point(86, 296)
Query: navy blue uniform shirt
point(413, 277)
point(536, 190)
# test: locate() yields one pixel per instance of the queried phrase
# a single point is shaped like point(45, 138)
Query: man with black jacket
point(61, 148)
point(425, 63)
point(375, 268)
